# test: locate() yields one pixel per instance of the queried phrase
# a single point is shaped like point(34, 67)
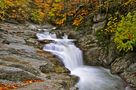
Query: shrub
point(2, 9)
point(38, 17)
point(125, 35)
point(14, 9)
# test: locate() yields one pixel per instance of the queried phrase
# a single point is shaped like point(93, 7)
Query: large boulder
point(22, 59)
point(126, 67)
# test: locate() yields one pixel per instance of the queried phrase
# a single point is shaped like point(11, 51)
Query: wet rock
point(64, 80)
point(47, 68)
point(86, 42)
point(93, 56)
point(60, 69)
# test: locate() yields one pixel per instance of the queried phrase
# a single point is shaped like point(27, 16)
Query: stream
point(90, 77)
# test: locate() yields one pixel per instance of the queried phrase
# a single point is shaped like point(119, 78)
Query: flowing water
point(90, 78)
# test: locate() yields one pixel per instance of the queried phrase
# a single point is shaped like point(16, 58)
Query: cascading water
point(90, 78)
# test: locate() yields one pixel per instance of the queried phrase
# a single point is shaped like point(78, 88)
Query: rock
point(132, 67)
point(32, 26)
point(53, 84)
point(112, 54)
point(2, 30)
point(24, 63)
point(20, 59)
point(60, 69)
point(99, 17)
point(13, 39)
point(47, 68)
point(48, 27)
point(93, 56)
point(98, 26)
point(26, 48)
point(107, 55)
point(11, 21)
point(29, 34)
point(130, 78)
point(26, 68)
point(15, 74)
point(122, 63)
point(47, 85)
point(31, 41)
point(129, 75)
point(126, 67)
point(86, 42)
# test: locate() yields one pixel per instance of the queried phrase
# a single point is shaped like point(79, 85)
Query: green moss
point(59, 69)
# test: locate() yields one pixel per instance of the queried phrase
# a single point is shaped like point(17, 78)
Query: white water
point(90, 78)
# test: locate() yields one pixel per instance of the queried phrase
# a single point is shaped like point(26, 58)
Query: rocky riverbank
point(122, 64)
point(23, 64)
point(23, 60)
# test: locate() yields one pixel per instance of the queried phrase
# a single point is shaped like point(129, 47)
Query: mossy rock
point(60, 69)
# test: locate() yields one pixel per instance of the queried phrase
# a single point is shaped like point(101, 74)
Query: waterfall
point(90, 78)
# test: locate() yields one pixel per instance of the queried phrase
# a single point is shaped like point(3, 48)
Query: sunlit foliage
point(40, 11)
point(58, 12)
point(125, 35)
point(14, 9)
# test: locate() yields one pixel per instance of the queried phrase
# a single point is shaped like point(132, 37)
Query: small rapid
point(90, 78)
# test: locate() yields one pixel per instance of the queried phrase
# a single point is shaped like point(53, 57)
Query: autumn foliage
point(58, 12)
point(15, 85)
point(14, 9)
point(40, 11)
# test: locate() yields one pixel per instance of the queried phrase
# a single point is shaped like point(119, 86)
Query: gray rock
point(132, 67)
point(98, 26)
point(13, 39)
point(129, 75)
point(15, 74)
point(32, 26)
point(47, 68)
point(130, 78)
point(27, 68)
point(19, 46)
point(8, 69)
point(93, 56)
point(99, 17)
point(122, 63)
